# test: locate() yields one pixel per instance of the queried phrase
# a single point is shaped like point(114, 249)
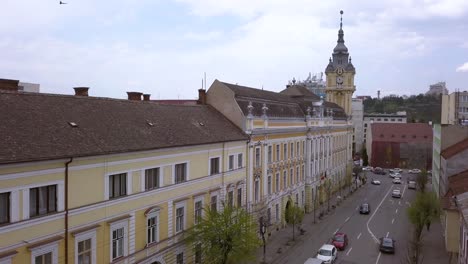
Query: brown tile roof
point(291, 102)
point(455, 149)
point(457, 184)
point(176, 102)
point(36, 126)
point(401, 132)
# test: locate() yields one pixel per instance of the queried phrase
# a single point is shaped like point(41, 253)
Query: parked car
point(396, 194)
point(387, 245)
point(340, 241)
point(327, 253)
point(397, 181)
point(314, 261)
point(395, 174)
point(411, 185)
point(368, 168)
point(375, 182)
point(378, 170)
point(396, 170)
point(364, 208)
point(414, 171)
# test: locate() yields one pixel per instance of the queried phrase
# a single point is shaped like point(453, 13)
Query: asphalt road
point(387, 218)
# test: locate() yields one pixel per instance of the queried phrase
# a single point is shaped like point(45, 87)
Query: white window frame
point(117, 225)
point(257, 190)
point(26, 190)
point(44, 249)
point(182, 204)
point(277, 181)
point(14, 204)
point(198, 199)
point(178, 251)
point(187, 168)
point(219, 165)
point(233, 162)
point(143, 178)
point(155, 212)
point(270, 153)
point(241, 160)
point(106, 183)
point(237, 196)
point(259, 163)
point(270, 184)
point(91, 234)
point(217, 200)
point(278, 152)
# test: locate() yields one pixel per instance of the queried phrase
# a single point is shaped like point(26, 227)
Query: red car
point(340, 241)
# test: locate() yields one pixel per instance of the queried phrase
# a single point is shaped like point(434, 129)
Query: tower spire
point(340, 46)
point(341, 20)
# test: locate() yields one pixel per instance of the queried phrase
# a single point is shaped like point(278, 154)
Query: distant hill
point(419, 108)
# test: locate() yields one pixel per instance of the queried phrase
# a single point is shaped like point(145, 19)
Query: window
point(198, 254)
point(399, 119)
point(214, 203)
point(291, 173)
point(84, 251)
point(239, 197)
point(297, 198)
point(179, 219)
point(277, 152)
point(214, 166)
point(231, 198)
point(117, 185)
point(118, 242)
point(298, 149)
point(44, 258)
point(277, 182)
point(303, 172)
point(385, 119)
point(393, 119)
point(285, 151)
point(257, 157)
point(42, 200)
point(268, 216)
point(277, 213)
point(269, 184)
point(365, 125)
point(284, 179)
point(378, 119)
point(4, 208)
point(152, 229)
point(257, 190)
point(180, 258)
point(270, 154)
point(372, 119)
point(292, 150)
point(302, 197)
point(198, 211)
point(152, 179)
point(180, 173)
point(231, 162)
point(303, 148)
point(239, 160)
point(297, 175)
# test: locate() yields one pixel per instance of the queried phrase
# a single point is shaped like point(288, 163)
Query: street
point(387, 218)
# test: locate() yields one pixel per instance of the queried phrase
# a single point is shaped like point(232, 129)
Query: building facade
point(455, 108)
point(437, 89)
point(358, 122)
point(370, 118)
point(111, 181)
point(297, 142)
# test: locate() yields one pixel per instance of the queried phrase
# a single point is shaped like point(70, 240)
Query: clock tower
point(340, 74)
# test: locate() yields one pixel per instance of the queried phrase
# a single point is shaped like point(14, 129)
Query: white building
point(398, 117)
point(357, 108)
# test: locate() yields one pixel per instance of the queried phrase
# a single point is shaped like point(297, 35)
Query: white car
point(415, 171)
point(396, 194)
point(327, 253)
point(395, 174)
point(397, 181)
point(398, 170)
point(313, 261)
point(368, 168)
point(375, 182)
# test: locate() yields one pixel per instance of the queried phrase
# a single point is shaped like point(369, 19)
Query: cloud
point(463, 68)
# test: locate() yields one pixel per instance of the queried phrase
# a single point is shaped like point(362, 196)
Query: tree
point(421, 180)
point(228, 236)
point(422, 212)
point(328, 190)
point(365, 157)
point(293, 216)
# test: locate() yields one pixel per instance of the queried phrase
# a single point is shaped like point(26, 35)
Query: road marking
point(359, 235)
point(375, 211)
point(347, 219)
point(357, 207)
point(404, 189)
point(378, 257)
point(347, 254)
point(393, 220)
point(387, 234)
point(396, 211)
point(399, 202)
point(337, 231)
point(407, 203)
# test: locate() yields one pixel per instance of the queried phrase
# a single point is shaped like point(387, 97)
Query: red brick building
point(402, 145)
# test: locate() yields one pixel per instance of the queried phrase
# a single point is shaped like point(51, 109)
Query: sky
point(164, 47)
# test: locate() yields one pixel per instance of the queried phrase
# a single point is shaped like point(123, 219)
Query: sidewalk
point(280, 242)
point(433, 248)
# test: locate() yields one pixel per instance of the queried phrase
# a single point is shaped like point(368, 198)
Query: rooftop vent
point(146, 97)
point(134, 96)
point(81, 91)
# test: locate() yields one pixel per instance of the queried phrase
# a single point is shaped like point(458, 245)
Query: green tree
point(228, 236)
point(293, 216)
point(421, 180)
point(365, 157)
point(422, 212)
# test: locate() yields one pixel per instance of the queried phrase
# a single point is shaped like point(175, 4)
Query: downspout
point(66, 209)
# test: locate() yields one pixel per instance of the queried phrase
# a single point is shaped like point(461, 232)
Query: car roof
point(327, 247)
point(313, 261)
point(340, 234)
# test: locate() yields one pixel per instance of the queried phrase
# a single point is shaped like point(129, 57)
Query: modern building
point(315, 83)
point(370, 118)
point(111, 181)
point(20, 86)
point(297, 142)
point(391, 145)
point(455, 108)
point(437, 89)
point(358, 122)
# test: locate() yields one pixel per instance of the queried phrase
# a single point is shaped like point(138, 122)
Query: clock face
point(339, 80)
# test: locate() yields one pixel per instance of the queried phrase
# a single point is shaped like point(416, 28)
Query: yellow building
point(297, 141)
point(98, 180)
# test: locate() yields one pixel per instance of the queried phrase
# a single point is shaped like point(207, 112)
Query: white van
point(314, 261)
point(412, 185)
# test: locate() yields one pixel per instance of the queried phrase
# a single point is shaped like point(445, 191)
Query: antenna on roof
point(262, 87)
point(205, 80)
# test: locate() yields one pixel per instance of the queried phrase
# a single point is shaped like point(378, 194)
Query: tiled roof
point(455, 149)
point(37, 126)
point(457, 184)
point(401, 132)
point(291, 102)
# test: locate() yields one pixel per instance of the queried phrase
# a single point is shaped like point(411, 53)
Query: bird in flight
point(62, 3)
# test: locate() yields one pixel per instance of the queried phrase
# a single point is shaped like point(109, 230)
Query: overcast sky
point(164, 47)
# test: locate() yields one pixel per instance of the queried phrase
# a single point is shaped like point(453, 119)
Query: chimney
point(201, 97)
point(81, 91)
point(9, 85)
point(146, 97)
point(134, 96)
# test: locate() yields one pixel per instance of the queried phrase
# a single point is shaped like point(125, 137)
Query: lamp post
point(263, 228)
